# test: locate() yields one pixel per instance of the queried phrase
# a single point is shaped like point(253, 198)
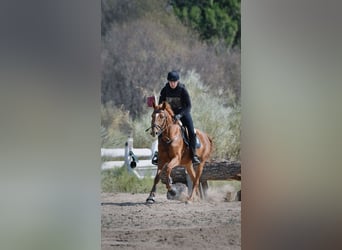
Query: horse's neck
point(169, 121)
point(171, 131)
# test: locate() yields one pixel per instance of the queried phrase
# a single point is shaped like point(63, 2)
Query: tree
point(215, 20)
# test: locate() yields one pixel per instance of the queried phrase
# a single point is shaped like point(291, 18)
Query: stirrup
point(196, 160)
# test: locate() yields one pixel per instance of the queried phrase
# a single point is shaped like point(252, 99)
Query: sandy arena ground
point(129, 223)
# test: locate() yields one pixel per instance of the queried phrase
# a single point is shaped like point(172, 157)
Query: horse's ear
point(164, 105)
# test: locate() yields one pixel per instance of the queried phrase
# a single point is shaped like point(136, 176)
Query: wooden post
point(128, 158)
point(126, 154)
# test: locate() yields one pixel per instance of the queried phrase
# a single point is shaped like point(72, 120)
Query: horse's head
point(161, 118)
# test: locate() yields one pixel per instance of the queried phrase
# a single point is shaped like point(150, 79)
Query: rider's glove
point(177, 117)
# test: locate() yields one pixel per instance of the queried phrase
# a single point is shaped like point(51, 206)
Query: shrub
point(120, 180)
point(215, 116)
point(116, 126)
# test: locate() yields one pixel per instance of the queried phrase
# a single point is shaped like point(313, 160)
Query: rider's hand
point(177, 117)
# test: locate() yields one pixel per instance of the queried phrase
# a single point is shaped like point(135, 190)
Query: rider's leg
point(195, 158)
point(187, 121)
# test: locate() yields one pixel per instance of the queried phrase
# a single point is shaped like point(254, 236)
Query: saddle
point(185, 136)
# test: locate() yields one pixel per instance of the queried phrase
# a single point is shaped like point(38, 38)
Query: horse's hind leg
point(196, 182)
point(191, 173)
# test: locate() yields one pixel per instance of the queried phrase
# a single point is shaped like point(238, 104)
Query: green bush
point(116, 126)
point(217, 117)
point(142, 138)
point(120, 180)
point(213, 20)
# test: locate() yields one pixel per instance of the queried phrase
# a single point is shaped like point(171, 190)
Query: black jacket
point(178, 98)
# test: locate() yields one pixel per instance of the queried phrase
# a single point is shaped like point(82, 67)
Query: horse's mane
point(168, 108)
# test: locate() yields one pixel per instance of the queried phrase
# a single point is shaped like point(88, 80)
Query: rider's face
point(173, 84)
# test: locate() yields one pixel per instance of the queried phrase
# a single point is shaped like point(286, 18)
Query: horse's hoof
point(170, 195)
point(150, 200)
point(191, 199)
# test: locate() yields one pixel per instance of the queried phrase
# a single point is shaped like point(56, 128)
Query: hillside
point(143, 40)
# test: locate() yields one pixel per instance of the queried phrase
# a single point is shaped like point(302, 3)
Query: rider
point(178, 97)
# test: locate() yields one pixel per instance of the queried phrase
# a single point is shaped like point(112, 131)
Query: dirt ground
point(129, 223)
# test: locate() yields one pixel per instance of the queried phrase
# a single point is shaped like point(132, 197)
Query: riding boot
point(195, 158)
point(155, 158)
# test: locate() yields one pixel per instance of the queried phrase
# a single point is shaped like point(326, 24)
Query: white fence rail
point(129, 156)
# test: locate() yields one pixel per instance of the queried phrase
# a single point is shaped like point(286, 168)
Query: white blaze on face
point(156, 118)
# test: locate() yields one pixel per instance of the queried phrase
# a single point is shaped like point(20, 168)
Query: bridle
point(162, 127)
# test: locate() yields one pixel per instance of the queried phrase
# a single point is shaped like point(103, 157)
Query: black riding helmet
point(173, 76)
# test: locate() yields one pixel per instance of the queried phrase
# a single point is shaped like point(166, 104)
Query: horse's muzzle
point(155, 130)
point(153, 133)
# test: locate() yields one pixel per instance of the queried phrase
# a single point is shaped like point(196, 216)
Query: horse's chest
point(173, 150)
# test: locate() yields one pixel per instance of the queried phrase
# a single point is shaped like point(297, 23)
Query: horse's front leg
point(150, 198)
point(173, 163)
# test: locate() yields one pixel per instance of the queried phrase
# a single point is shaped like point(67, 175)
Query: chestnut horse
point(173, 151)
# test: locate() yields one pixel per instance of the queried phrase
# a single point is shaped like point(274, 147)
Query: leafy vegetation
point(143, 40)
point(215, 20)
point(120, 180)
point(116, 124)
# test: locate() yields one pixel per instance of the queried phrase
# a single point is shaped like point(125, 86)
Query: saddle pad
point(186, 137)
